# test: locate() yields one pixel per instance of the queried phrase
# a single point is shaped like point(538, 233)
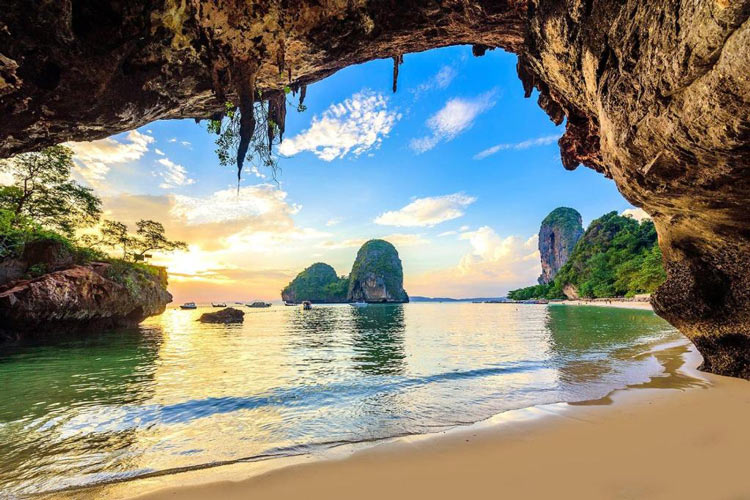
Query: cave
point(654, 95)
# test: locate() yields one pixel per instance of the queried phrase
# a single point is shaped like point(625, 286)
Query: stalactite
point(302, 94)
point(397, 60)
point(246, 91)
point(280, 57)
point(276, 117)
point(479, 49)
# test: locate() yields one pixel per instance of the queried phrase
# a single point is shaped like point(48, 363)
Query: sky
point(456, 169)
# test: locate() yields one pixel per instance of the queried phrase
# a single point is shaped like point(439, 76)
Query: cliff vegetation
point(56, 272)
point(317, 283)
point(616, 257)
point(376, 276)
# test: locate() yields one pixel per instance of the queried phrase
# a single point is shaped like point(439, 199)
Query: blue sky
point(362, 162)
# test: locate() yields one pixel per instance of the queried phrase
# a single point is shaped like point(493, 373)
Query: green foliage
point(260, 151)
point(317, 283)
point(568, 220)
point(36, 270)
point(135, 277)
point(530, 292)
point(616, 257)
point(43, 191)
point(149, 237)
point(380, 258)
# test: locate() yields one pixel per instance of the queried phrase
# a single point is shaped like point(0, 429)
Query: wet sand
point(681, 435)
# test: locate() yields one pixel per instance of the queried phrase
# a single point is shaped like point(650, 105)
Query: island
point(377, 276)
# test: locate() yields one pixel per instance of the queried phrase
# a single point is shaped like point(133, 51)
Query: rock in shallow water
point(81, 298)
point(228, 315)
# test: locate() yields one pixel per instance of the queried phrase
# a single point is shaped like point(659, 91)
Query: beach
point(681, 435)
point(619, 303)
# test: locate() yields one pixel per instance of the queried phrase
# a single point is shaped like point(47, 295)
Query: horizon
point(463, 215)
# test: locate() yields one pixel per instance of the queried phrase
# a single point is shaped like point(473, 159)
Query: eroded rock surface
point(377, 275)
point(79, 298)
point(228, 315)
point(558, 235)
point(655, 95)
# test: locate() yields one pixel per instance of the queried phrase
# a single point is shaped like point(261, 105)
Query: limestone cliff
point(558, 235)
point(318, 283)
point(652, 94)
point(80, 298)
point(377, 275)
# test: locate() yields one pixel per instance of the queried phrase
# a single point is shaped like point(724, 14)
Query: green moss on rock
point(318, 283)
point(377, 274)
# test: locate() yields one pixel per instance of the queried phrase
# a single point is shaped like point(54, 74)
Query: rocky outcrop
point(51, 254)
point(558, 235)
point(377, 275)
point(571, 292)
point(81, 298)
point(319, 284)
point(226, 316)
point(652, 94)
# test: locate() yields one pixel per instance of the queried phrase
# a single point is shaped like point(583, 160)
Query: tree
point(43, 192)
point(112, 234)
point(150, 237)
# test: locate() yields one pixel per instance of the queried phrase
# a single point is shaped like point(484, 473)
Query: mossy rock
point(318, 283)
point(377, 274)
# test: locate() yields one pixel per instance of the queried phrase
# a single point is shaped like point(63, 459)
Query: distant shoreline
point(616, 302)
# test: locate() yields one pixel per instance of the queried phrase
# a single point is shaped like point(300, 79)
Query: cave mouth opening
point(670, 136)
point(457, 165)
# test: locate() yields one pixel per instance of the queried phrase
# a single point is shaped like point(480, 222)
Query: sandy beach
point(623, 304)
point(681, 435)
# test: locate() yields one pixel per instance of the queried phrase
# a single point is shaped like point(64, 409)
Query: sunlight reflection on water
point(178, 393)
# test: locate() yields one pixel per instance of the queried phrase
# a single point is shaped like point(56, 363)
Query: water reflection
point(178, 393)
point(49, 393)
point(378, 339)
point(589, 343)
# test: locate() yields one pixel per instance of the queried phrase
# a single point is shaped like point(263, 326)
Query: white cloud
point(354, 126)
point(493, 265)
point(159, 152)
point(427, 211)
point(456, 116)
point(445, 76)
point(173, 175)
point(94, 159)
point(447, 233)
point(397, 239)
point(230, 205)
point(187, 144)
point(510, 259)
point(334, 221)
point(173, 139)
point(528, 143)
point(637, 213)
point(440, 80)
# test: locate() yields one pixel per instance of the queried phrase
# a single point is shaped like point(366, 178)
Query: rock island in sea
point(376, 276)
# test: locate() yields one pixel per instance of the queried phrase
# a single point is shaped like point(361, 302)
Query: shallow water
point(176, 393)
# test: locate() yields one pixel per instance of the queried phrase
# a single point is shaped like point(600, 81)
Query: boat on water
point(259, 304)
point(306, 305)
point(218, 304)
point(358, 304)
point(189, 305)
point(292, 304)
